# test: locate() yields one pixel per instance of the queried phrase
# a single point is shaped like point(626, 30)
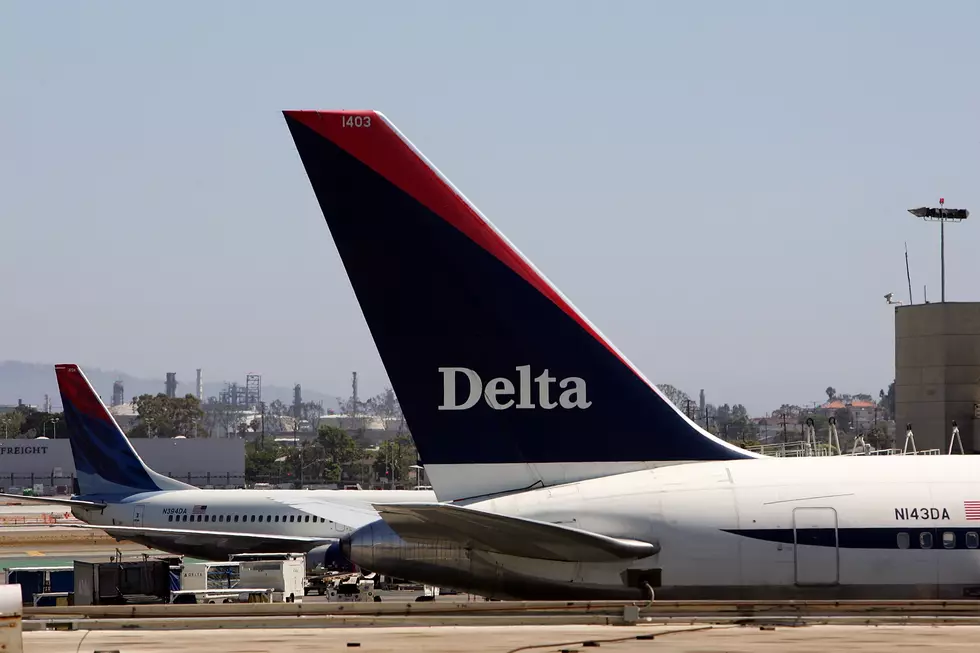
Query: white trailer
point(286, 578)
point(209, 576)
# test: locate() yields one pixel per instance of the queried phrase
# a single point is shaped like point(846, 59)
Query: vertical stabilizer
point(503, 382)
point(105, 461)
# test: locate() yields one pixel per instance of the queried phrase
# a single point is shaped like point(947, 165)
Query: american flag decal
point(200, 510)
point(972, 510)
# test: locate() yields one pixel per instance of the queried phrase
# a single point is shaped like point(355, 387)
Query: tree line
point(334, 456)
point(26, 422)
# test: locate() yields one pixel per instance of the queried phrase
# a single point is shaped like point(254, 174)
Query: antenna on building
point(908, 275)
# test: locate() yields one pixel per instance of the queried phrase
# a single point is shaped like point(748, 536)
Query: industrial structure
point(937, 373)
point(118, 394)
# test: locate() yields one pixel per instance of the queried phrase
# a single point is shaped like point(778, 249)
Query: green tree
point(890, 401)
point(677, 397)
point(723, 415)
point(394, 459)
point(11, 424)
point(740, 424)
point(831, 393)
point(843, 419)
point(261, 461)
point(37, 423)
point(163, 417)
point(337, 449)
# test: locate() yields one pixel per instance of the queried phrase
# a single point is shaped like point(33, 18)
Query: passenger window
point(277, 518)
point(185, 518)
point(199, 518)
point(307, 518)
point(925, 540)
point(972, 540)
point(236, 518)
point(227, 517)
point(292, 518)
point(268, 517)
point(221, 518)
point(253, 518)
point(949, 540)
point(171, 518)
point(213, 517)
point(903, 540)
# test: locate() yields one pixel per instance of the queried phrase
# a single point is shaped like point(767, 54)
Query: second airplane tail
point(105, 461)
point(504, 383)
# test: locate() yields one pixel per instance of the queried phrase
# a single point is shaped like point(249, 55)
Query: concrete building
point(198, 461)
point(937, 373)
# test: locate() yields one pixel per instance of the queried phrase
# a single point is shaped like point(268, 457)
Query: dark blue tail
point(492, 365)
point(105, 461)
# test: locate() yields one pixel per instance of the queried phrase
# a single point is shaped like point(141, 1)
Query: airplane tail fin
point(503, 383)
point(105, 461)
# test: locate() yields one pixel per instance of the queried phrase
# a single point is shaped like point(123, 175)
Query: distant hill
point(29, 382)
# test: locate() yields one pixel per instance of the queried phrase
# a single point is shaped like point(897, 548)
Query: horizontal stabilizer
point(515, 536)
point(74, 503)
point(352, 516)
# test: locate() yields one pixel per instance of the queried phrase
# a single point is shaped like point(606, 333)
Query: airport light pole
point(942, 215)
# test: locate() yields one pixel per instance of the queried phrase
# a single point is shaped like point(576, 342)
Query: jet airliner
point(119, 494)
point(561, 471)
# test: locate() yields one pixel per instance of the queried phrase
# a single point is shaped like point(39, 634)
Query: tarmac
point(511, 639)
point(16, 551)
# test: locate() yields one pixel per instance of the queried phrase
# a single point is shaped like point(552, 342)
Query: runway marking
point(36, 553)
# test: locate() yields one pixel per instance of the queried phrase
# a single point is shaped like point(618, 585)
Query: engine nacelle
point(442, 563)
point(328, 557)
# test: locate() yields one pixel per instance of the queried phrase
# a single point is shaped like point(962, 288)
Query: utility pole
point(262, 406)
point(941, 215)
point(296, 443)
point(784, 427)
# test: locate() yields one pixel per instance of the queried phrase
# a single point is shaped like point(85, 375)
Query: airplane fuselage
point(840, 527)
point(232, 511)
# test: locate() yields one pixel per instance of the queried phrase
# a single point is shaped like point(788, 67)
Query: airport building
point(203, 462)
point(937, 374)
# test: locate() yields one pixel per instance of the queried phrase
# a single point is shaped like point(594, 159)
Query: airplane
point(117, 493)
point(561, 472)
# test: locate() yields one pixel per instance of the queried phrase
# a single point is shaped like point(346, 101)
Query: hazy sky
point(721, 187)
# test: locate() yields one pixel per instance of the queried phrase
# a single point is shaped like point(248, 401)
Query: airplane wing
point(75, 503)
point(485, 531)
point(245, 542)
point(353, 516)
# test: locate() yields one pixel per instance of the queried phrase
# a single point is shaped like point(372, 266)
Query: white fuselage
point(235, 511)
point(835, 527)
